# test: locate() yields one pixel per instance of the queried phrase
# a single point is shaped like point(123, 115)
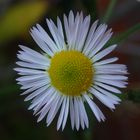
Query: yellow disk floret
point(71, 72)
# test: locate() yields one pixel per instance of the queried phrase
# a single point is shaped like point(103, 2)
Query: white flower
point(70, 72)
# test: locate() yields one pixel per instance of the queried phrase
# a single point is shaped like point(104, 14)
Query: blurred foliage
point(91, 7)
point(134, 95)
point(11, 88)
point(14, 23)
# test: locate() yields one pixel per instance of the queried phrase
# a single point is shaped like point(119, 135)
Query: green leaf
point(19, 18)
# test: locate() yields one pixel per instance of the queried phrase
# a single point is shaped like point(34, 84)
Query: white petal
point(42, 34)
point(32, 89)
point(110, 71)
point(96, 37)
point(47, 106)
point(98, 114)
point(77, 119)
point(90, 34)
point(36, 93)
point(104, 99)
point(102, 40)
point(71, 20)
point(39, 99)
point(107, 87)
point(113, 97)
point(54, 109)
point(67, 30)
point(42, 82)
point(85, 117)
point(74, 31)
point(112, 77)
point(107, 61)
point(111, 67)
point(103, 53)
point(60, 29)
point(62, 113)
point(31, 77)
point(37, 107)
point(56, 34)
point(33, 53)
point(66, 113)
point(72, 117)
point(28, 91)
point(28, 58)
point(42, 41)
point(29, 71)
point(83, 33)
point(31, 86)
point(31, 65)
point(81, 115)
point(78, 33)
point(115, 83)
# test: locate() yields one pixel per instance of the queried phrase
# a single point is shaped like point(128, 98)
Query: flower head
point(70, 72)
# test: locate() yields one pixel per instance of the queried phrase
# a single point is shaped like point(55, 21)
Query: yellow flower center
point(71, 72)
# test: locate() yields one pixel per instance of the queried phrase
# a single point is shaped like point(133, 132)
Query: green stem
point(110, 8)
point(123, 36)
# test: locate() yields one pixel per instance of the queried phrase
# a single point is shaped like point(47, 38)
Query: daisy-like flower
point(70, 72)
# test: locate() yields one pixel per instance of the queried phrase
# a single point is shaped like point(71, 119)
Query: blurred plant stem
point(124, 35)
point(109, 11)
